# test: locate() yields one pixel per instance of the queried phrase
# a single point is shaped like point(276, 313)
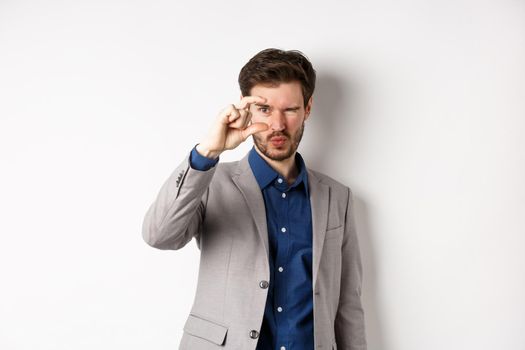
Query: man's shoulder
point(229, 167)
point(227, 170)
point(339, 192)
point(326, 179)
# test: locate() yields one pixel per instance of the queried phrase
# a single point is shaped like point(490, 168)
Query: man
point(279, 265)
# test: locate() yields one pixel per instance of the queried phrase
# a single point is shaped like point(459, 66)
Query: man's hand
point(232, 127)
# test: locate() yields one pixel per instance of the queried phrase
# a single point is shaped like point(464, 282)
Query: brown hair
point(273, 66)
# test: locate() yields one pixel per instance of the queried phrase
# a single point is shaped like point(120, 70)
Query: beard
point(279, 153)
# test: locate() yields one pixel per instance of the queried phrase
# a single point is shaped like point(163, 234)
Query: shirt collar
point(265, 174)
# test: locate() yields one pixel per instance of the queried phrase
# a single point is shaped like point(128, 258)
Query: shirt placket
point(281, 263)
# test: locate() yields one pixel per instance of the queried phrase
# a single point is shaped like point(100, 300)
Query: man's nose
point(277, 121)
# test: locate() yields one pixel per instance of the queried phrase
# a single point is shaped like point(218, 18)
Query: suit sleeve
point(349, 322)
point(176, 215)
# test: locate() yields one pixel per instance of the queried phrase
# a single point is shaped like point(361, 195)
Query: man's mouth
point(278, 140)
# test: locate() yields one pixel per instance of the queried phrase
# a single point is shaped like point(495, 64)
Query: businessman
point(280, 266)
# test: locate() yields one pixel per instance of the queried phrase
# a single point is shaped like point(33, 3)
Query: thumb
point(253, 128)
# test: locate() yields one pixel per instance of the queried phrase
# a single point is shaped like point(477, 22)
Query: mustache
point(278, 134)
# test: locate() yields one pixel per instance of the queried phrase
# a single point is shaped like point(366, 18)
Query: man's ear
point(308, 108)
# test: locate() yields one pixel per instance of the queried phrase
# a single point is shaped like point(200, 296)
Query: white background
point(419, 108)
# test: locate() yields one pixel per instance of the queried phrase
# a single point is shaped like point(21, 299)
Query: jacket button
point(254, 334)
point(263, 284)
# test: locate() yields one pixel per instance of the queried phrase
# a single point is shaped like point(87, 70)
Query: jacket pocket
point(336, 232)
point(205, 329)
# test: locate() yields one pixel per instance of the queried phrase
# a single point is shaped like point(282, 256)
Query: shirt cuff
point(200, 162)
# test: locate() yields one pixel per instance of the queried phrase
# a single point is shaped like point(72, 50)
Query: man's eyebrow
point(268, 106)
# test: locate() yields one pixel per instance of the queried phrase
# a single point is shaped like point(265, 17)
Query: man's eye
point(263, 109)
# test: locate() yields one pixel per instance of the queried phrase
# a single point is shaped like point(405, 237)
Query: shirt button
point(254, 334)
point(283, 229)
point(281, 269)
point(284, 195)
point(263, 284)
point(280, 309)
point(279, 180)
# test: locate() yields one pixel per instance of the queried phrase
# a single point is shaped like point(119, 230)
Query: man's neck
point(286, 167)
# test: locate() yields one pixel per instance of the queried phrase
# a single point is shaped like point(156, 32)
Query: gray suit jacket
point(223, 208)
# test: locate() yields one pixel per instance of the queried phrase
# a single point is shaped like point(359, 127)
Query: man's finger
point(247, 119)
point(253, 129)
point(226, 114)
point(234, 114)
point(247, 100)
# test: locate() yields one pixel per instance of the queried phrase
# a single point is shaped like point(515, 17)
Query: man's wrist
point(205, 152)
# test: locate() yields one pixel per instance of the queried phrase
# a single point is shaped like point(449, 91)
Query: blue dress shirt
point(288, 317)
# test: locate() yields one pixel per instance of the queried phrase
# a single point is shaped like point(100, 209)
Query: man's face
point(284, 113)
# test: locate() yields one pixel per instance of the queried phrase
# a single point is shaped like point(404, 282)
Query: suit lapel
point(247, 184)
point(319, 202)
